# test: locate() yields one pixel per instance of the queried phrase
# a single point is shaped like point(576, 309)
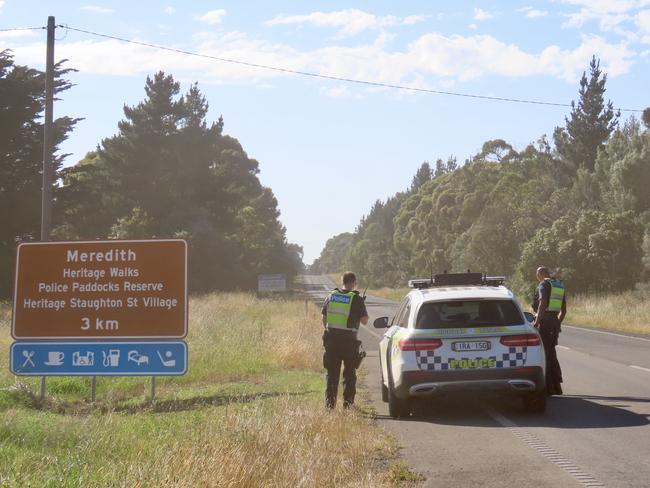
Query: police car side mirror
point(380, 323)
point(529, 316)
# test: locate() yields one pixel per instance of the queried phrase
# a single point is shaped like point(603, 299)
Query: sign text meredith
point(101, 289)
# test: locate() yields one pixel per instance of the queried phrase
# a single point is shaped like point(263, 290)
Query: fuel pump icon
point(112, 359)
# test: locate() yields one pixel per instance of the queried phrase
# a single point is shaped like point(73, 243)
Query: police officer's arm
point(544, 297)
point(364, 312)
point(324, 312)
point(562, 313)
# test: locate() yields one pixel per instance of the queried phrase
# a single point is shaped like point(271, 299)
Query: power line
point(326, 76)
point(22, 29)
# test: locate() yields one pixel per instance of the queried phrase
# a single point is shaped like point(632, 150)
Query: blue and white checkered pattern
point(427, 360)
point(515, 357)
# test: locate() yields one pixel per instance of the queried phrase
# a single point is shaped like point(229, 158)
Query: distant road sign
point(272, 282)
point(101, 289)
point(99, 358)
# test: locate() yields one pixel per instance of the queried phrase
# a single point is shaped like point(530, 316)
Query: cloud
point(213, 17)
point(338, 91)
point(532, 13)
point(643, 21)
point(349, 21)
point(480, 14)
point(169, 10)
point(431, 60)
point(2, 4)
point(97, 10)
point(17, 34)
point(608, 13)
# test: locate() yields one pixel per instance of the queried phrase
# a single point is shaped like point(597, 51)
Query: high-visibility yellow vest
point(338, 309)
point(556, 298)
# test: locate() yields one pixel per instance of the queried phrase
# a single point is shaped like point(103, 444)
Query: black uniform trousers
point(340, 348)
point(549, 329)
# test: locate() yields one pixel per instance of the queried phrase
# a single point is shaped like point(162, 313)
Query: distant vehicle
point(460, 332)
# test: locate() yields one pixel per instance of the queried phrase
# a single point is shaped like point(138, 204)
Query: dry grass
point(395, 294)
point(248, 413)
point(624, 312)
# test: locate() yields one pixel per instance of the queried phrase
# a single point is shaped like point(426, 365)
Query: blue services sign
point(99, 358)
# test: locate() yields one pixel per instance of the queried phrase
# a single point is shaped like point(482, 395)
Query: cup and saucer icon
point(54, 358)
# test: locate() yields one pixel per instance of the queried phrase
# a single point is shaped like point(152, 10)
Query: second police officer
point(550, 305)
point(342, 312)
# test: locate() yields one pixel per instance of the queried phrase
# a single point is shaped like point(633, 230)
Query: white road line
point(606, 333)
point(564, 347)
point(547, 452)
point(639, 367)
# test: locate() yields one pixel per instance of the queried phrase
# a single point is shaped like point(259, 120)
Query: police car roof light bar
point(457, 279)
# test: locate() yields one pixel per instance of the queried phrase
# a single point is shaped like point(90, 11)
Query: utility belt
point(550, 315)
point(344, 338)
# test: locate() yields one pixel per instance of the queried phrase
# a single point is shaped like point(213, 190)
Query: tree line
point(579, 204)
point(166, 173)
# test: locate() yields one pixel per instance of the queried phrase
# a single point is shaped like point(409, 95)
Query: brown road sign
point(101, 289)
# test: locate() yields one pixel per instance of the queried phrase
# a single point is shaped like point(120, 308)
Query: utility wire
point(324, 76)
point(22, 29)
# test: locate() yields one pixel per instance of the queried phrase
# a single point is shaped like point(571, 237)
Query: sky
point(329, 149)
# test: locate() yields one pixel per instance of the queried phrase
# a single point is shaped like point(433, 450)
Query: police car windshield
point(468, 313)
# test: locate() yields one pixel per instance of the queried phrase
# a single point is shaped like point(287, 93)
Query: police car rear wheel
point(535, 402)
point(397, 407)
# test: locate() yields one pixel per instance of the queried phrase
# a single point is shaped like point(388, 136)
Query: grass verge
point(624, 312)
point(248, 413)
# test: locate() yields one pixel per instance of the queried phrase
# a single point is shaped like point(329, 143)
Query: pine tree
point(22, 103)
point(423, 174)
point(590, 123)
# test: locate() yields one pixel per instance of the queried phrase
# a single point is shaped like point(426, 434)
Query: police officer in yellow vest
point(342, 312)
point(550, 305)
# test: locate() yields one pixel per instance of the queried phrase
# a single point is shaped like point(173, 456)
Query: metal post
point(41, 395)
point(46, 191)
point(93, 389)
point(153, 389)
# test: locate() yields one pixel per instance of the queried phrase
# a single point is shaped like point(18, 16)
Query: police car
point(460, 332)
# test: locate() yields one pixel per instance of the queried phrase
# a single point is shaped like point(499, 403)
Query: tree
point(594, 253)
point(168, 172)
point(590, 123)
point(423, 174)
point(22, 103)
point(646, 117)
point(496, 150)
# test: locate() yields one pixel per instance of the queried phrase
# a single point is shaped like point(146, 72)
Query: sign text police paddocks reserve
point(101, 289)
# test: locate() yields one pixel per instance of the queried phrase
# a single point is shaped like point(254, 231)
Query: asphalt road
point(597, 434)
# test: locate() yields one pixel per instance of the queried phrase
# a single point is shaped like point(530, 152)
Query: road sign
point(101, 289)
point(99, 358)
point(272, 282)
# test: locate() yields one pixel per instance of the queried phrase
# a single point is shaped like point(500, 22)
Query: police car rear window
point(468, 313)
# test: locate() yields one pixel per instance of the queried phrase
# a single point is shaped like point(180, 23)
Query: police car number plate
point(470, 346)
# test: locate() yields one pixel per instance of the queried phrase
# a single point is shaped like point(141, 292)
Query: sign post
point(100, 308)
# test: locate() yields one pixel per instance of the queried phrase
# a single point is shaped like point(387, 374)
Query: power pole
point(46, 195)
point(48, 176)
